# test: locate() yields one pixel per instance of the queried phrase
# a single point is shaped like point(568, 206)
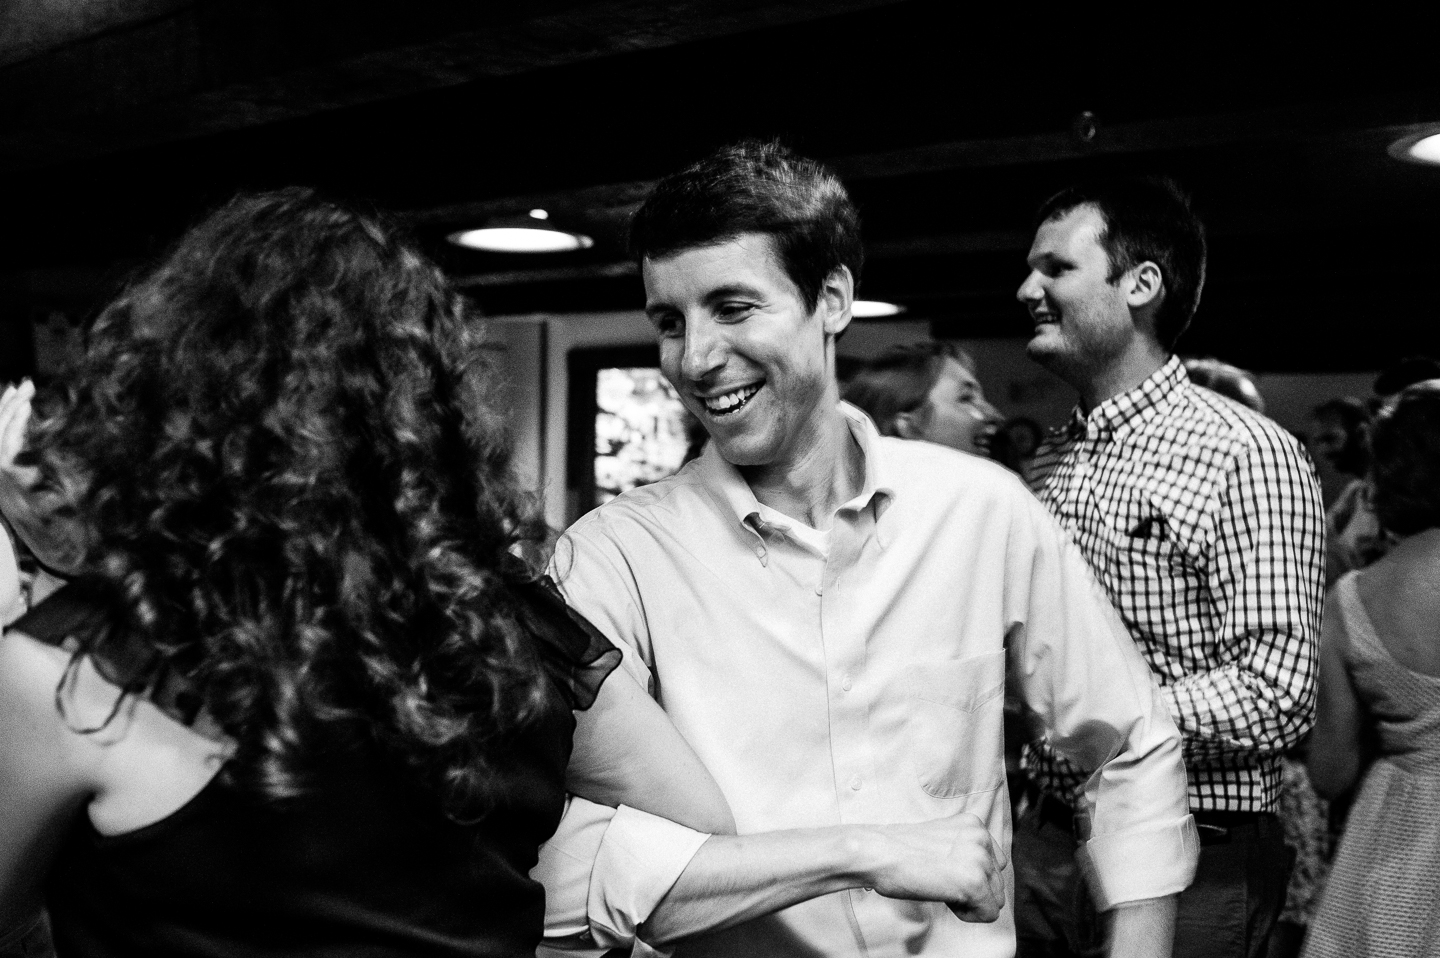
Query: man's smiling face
point(737, 342)
point(1082, 320)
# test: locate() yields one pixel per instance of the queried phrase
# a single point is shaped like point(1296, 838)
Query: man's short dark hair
point(1146, 218)
point(756, 187)
point(1405, 460)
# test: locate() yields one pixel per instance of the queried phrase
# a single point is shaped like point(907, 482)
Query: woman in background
point(1354, 537)
point(925, 391)
point(1380, 703)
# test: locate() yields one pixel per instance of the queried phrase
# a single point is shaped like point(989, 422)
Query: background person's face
point(1329, 440)
point(956, 414)
point(739, 346)
point(1082, 321)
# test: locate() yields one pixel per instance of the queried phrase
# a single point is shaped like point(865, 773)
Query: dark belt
point(1214, 828)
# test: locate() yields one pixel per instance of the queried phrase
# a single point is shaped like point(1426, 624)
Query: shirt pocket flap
point(961, 684)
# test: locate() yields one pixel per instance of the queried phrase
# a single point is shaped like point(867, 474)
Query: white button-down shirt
point(857, 677)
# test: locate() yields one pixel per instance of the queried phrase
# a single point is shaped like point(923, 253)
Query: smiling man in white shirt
point(825, 613)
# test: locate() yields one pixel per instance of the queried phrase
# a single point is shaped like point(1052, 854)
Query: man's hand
point(953, 860)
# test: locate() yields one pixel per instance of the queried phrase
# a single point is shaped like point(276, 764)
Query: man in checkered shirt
point(1203, 521)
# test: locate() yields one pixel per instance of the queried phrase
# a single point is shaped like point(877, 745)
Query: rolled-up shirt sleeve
point(1080, 671)
point(604, 871)
point(625, 860)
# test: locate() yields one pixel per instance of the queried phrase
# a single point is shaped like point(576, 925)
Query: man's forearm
point(1143, 929)
point(735, 878)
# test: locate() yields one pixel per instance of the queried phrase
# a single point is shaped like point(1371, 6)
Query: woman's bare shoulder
point(36, 738)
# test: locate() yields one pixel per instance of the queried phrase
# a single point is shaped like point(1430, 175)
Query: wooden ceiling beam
point(194, 69)
point(1358, 122)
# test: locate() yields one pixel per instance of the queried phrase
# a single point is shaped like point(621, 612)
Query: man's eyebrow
point(731, 291)
point(1046, 256)
point(717, 295)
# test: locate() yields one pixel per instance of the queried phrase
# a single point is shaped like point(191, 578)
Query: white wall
point(513, 348)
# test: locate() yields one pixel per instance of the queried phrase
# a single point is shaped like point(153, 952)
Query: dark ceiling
point(123, 120)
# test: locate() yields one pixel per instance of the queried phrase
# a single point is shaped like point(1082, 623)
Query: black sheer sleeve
point(77, 613)
point(575, 654)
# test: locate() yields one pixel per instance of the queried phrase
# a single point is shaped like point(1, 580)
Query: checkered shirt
point(1203, 521)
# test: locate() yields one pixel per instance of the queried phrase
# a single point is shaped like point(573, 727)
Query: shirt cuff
point(640, 859)
point(1140, 863)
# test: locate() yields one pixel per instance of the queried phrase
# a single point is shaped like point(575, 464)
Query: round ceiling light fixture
point(527, 234)
point(1422, 147)
point(874, 308)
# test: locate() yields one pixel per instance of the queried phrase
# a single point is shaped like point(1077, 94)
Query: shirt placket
point(858, 786)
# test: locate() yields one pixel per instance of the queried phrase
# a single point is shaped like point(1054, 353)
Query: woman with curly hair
point(300, 696)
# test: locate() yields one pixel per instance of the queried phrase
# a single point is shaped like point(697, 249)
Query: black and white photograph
point(676, 479)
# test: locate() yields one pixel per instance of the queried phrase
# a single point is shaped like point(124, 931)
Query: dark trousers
point(1228, 912)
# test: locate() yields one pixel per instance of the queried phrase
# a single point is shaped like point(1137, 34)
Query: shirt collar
point(732, 492)
point(1119, 414)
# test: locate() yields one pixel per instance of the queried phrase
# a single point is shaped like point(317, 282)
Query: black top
point(365, 865)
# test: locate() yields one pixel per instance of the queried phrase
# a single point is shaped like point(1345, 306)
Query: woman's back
point(1391, 614)
point(1381, 896)
point(365, 863)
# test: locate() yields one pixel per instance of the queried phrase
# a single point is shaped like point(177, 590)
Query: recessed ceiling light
point(539, 214)
point(521, 239)
point(871, 308)
point(1423, 147)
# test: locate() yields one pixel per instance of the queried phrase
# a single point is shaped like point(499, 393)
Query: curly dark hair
point(295, 489)
point(1405, 460)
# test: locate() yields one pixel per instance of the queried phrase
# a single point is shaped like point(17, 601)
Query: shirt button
point(855, 783)
point(846, 683)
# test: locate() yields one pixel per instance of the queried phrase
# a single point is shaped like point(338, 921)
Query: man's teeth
point(731, 401)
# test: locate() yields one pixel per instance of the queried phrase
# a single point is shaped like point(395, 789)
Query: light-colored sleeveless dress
point(1383, 896)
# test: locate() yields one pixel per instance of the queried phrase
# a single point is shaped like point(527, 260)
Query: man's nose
point(1030, 290)
point(704, 350)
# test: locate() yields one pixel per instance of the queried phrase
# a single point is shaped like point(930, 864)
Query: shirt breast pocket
point(956, 724)
point(1154, 577)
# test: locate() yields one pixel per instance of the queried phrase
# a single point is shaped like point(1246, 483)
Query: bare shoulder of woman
point(46, 770)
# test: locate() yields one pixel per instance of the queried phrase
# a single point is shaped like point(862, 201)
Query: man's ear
point(905, 425)
point(837, 295)
point(1145, 286)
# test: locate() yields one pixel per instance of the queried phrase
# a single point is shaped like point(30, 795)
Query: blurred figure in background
point(1406, 372)
point(1229, 381)
point(1015, 442)
point(926, 391)
point(1380, 703)
point(1354, 537)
